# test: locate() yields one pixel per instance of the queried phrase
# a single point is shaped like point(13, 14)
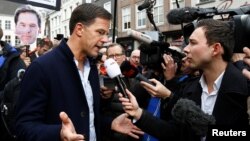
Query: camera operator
point(210, 50)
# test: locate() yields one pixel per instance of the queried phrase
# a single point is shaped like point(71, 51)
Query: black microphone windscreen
point(145, 5)
point(187, 112)
point(182, 15)
point(128, 70)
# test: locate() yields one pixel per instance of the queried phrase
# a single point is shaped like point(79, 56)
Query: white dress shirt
point(89, 96)
point(208, 99)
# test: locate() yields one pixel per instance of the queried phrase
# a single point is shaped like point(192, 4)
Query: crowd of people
point(65, 93)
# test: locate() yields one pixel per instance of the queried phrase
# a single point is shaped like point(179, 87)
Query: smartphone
point(109, 83)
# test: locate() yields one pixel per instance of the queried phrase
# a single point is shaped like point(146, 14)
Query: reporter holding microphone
point(171, 129)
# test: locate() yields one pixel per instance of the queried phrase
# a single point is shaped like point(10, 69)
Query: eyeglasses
point(115, 55)
point(135, 57)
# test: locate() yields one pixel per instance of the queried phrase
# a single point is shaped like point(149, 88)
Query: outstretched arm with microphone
point(188, 119)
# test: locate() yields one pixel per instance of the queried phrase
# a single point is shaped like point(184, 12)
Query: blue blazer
point(52, 84)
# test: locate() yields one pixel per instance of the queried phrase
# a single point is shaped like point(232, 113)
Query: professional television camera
point(239, 19)
point(152, 51)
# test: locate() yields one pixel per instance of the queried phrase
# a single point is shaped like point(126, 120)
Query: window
point(65, 30)
point(17, 41)
point(59, 19)
point(126, 18)
point(140, 17)
point(175, 1)
point(56, 21)
point(71, 9)
point(52, 22)
point(7, 38)
point(0, 23)
point(201, 1)
point(65, 14)
point(107, 6)
point(88, 1)
point(158, 12)
point(7, 25)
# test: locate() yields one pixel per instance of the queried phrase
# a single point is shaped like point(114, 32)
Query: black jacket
point(230, 108)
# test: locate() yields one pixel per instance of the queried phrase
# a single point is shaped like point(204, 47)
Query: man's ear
point(217, 49)
point(79, 29)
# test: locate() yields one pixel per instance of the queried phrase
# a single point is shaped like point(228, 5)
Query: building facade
point(59, 20)
point(127, 16)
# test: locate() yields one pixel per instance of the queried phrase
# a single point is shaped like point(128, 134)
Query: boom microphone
point(182, 15)
point(145, 5)
point(114, 72)
point(187, 112)
point(188, 14)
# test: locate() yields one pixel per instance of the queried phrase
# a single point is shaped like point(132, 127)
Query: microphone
point(182, 15)
point(114, 72)
point(185, 111)
point(145, 38)
point(130, 71)
point(145, 5)
point(188, 14)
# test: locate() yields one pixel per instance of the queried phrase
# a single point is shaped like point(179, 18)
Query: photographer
point(210, 50)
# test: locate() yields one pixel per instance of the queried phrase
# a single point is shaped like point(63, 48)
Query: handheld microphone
point(145, 5)
point(145, 38)
point(130, 71)
point(114, 72)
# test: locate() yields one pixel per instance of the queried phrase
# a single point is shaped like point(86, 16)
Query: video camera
point(239, 18)
point(152, 51)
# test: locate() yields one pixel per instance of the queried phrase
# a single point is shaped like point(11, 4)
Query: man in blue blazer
point(66, 79)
